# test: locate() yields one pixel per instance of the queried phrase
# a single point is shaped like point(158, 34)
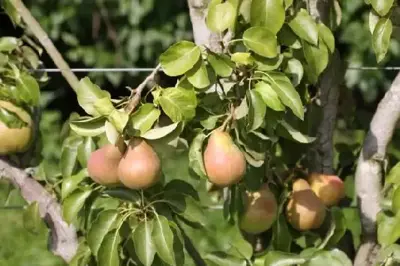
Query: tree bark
point(369, 170)
point(64, 241)
point(320, 155)
point(202, 35)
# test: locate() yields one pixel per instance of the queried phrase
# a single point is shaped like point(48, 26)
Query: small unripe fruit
point(261, 211)
point(15, 139)
point(224, 162)
point(305, 211)
point(329, 188)
point(103, 163)
point(140, 167)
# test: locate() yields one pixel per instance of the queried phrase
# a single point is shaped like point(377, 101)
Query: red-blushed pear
point(329, 188)
point(304, 211)
point(224, 162)
point(103, 163)
point(260, 211)
point(140, 167)
point(14, 140)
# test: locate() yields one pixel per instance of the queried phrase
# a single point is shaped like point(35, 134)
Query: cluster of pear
point(136, 166)
point(306, 208)
point(15, 140)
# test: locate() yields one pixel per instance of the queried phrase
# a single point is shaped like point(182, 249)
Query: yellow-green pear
point(224, 162)
point(140, 167)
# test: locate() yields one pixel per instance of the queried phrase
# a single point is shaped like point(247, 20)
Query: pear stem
point(231, 116)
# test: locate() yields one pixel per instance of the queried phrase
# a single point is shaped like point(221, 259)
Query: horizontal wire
point(132, 70)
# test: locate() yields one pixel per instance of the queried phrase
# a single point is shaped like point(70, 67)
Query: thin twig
point(46, 42)
point(136, 94)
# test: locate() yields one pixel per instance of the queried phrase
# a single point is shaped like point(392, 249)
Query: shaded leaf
point(257, 110)
point(196, 155)
point(108, 254)
point(70, 183)
point(73, 204)
point(31, 218)
point(88, 126)
point(381, 38)
point(163, 239)
point(143, 242)
point(269, 96)
point(221, 64)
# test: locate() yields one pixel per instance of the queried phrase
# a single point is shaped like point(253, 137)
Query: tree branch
point(369, 168)
point(320, 155)
point(136, 94)
point(64, 241)
point(202, 35)
point(46, 42)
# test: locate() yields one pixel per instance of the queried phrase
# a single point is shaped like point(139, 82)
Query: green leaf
point(296, 134)
point(11, 11)
point(210, 122)
point(261, 41)
point(317, 57)
point(124, 194)
point(269, 96)
point(104, 223)
point(282, 239)
point(268, 13)
point(163, 239)
point(85, 150)
point(198, 76)
point(160, 132)
point(373, 19)
point(382, 7)
point(187, 207)
point(119, 119)
point(220, 16)
point(8, 44)
point(277, 258)
point(388, 229)
point(339, 228)
point(295, 70)
point(222, 259)
point(88, 126)
point(69, 155)
point(88, 93)
point(73, 204)
point(179, 58)
point(221, 64)
point(108, 254)
point(182, 187)
point(288, 38)
point(287, 93)
point(268, 64)
point(304, 26)
point(144, 118)
point(143, 242)
point(28, 89)
point(104, 106)
point(257, 110)
point(333, 257)
point(196, 155)
point(326, 36)
point(70, 183)
point(396, 200)
point(381, 38)
point(31, 218)
point(11, 119)
point(179, 103)
point(82, 255)
point(241, 58)
point(393, 177)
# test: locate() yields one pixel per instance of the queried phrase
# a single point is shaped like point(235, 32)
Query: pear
point(140, 167)
point(329, 188)
point(15, 139)
point(305, 211)
point(260, 211)
point(224, 162)
point(103, 163)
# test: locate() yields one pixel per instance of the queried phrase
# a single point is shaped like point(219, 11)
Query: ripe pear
point(305, 211)
point(224, 162)
point(329, 188)
point(15, 139)
point(103, 163)
point(261, 211)
point(140, 167)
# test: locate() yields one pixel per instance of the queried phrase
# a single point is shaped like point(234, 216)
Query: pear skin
point(15, 139)
point(224, 162)
point(140, 167)
point(103, 163)
point(261, 211)
point(305, 211)
point(329, 188)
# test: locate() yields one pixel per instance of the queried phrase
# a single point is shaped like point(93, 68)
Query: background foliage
point(134, 33)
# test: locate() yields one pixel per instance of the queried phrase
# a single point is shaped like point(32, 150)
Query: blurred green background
point(132, 33)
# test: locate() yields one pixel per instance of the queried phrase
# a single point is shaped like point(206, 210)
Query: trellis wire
point(133, 70)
